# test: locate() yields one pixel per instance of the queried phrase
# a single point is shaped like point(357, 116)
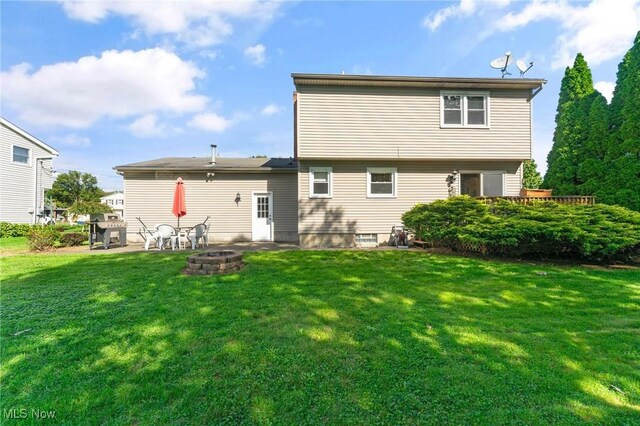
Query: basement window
point(367, 239)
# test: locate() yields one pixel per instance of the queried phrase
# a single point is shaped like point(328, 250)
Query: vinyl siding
point(351, 122)
point(17, 181)
point(335, 221)
point(149, 195)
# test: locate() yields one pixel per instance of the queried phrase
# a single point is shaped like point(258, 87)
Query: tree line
point(596, 145)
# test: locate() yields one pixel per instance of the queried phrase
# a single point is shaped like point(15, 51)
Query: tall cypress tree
point(622, 180)
point(570, 133)
point(592, 156)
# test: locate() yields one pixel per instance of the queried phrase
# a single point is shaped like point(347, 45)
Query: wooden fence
point(573, 199)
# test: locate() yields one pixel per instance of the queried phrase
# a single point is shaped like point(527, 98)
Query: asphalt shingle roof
point(222, 163)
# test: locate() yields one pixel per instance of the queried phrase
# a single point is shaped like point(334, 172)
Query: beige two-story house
point(371, 147)
point(366, 149)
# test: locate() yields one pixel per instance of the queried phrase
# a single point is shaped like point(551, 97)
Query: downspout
point(36, 195)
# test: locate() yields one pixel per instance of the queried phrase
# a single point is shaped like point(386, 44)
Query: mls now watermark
point(24, 413)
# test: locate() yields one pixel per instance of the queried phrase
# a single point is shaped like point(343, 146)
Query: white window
point(482, 184)
point(20, 155)
point(381, 182)
point(464, 109)
point(320, 182)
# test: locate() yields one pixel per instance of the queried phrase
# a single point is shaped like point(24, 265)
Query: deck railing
point(573, 199)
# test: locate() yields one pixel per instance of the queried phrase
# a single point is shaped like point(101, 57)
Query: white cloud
point(115, 84)
point(199, 23)
point(601, 30)
point(210, 54)
point(147, 126)
point(256, 54)
point(271, 109)
point(210, 122)
point(606, 88)
point(465, 8)
point(71, 139)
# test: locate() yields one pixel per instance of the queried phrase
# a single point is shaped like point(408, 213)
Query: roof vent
point(214, 154)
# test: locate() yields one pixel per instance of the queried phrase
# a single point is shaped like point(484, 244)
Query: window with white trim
point(320, 182)
point(381, 182)
point(482, 184)
point(20, 155)
point(464, 109)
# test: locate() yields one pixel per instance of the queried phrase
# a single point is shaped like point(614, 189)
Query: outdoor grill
point(105, 227)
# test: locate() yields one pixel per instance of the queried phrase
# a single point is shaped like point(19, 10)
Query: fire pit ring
point(214, 262)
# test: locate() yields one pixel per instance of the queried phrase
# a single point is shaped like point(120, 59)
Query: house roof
point(222, 164)
point(408, 81)
point(29, 137)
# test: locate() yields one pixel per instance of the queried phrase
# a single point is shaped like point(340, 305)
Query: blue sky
point(114, 82)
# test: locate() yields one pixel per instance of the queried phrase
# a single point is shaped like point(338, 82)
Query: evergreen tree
point(570, 134)
point(592, 155)
point(622, 181)
point(531, 178)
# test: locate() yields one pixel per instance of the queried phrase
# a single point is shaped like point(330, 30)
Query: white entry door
point(262, 222)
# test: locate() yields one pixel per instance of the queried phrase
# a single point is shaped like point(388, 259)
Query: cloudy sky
point(114, 82)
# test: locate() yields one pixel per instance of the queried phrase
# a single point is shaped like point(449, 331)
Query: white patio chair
point(167, 233)
point(199, 233)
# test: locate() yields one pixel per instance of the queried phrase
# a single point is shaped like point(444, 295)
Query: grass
point(13, 245)
point(313, 337)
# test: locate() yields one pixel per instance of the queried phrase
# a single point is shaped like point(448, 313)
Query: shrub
point(41, 238)
point(8, 230)
point(71, 239)
point(597, 232)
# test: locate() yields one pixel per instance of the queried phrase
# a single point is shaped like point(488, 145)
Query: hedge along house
point(247, 199)
point(366, 149)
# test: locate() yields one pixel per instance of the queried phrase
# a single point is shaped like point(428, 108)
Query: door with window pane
point(470, 184)
point(482, 184)
point(262, 221)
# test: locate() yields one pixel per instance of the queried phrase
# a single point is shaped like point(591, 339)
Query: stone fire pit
point(214, 262)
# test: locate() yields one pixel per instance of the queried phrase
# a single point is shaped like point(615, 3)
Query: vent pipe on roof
point(213, 154)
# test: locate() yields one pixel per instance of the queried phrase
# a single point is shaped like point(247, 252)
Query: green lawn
point(315, 337)
point(13, 245)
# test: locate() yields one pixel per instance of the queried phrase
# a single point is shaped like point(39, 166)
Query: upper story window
point(20, 155)
point(381, 182)
point(320, 182)
point(464, 109)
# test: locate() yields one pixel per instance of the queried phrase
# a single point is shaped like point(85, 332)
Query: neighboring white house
point(26, 171)
point(115, 201)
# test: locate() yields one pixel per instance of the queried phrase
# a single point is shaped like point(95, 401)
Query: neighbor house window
point(482, 184)
point(381, 182)
point(20, 155)
point(460, 109)
point(320, 182)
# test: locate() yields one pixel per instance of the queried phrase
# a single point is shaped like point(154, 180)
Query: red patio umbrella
point(179, 204)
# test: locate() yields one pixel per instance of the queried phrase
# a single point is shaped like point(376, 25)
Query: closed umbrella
point(179, 204)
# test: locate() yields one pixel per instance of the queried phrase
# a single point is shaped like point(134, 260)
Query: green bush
point(70, 239)
point(547, 229)
point(42, 238)
point(8, 230)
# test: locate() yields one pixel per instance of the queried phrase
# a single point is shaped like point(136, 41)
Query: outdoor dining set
point(164, 236)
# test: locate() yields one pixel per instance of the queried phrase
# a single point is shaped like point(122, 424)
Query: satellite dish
point(523, 67)
point(502, 63)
